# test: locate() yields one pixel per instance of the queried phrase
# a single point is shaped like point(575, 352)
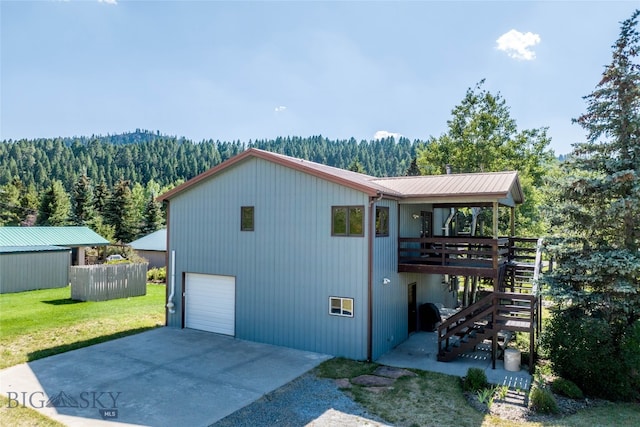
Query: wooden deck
point(463, 256)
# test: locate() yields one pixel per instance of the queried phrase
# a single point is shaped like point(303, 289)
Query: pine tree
point(120, 213)
point(55, 207)
point(596, 210)
point(413, 169)
point(83, 211)
point(101, 197)
point(153, 219)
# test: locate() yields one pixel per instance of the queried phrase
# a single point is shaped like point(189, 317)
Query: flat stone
point(372, 381)
point(390, 372)
point(377, 390)
point(343, 383)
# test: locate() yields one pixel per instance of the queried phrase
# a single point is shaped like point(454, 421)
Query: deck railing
point(479, 252)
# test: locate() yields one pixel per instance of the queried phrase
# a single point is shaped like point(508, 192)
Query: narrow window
point(347, 221)
point(246, 218)
point(382, 221)
point(339, 306)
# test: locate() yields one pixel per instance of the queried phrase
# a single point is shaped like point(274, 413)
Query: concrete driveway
point(164, 377)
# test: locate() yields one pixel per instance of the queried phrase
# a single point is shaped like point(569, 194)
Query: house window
point(382, 221)
point(246, 218)
point(347, 221)
point(339, 306)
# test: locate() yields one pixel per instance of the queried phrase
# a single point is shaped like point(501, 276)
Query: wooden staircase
point(497, 315)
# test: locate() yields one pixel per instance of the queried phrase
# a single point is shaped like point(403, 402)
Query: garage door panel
point(210, 303)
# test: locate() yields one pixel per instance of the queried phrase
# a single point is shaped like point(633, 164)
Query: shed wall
point(156, 259)
point(25, 271)
point(287, 268)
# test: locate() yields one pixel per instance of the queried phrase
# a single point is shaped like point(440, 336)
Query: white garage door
point(210, 303)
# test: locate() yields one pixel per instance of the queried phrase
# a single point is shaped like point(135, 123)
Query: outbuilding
point(39, 257)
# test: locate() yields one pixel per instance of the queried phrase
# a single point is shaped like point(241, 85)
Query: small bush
point(157, 275)
point(542, 400)
point(475, 380)
point(566, 388)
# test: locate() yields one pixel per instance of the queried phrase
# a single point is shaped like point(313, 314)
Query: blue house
point(279, 250)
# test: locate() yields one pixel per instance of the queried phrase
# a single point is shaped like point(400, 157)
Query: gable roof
point(156, 241)
point(451, 188)
point(50, 236)
point(355, 180)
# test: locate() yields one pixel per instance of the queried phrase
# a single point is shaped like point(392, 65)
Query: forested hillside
point(109, 183)
point(143, 156)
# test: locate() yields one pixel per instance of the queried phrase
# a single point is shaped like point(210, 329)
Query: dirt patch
point(515, 407)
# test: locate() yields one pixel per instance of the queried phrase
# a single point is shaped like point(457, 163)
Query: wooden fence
point(106, 282)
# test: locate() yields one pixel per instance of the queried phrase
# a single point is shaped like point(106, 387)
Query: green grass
point(37, 324)
point(11, 415)
point(433, 399)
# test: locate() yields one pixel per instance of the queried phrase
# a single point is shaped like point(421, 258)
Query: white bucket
point(512, 360)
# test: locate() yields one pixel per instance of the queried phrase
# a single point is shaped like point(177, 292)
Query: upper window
point(347, 221)
point(382, 221)
point(246, 218)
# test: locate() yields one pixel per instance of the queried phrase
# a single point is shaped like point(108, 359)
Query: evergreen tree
point(413, 169)
point(596, 210)
point(55, 207)
point(83, 211)
point(120, 213)
point(9, 204)
point(153, 218)
point(101, 197)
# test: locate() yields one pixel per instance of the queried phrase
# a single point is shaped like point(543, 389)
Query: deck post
point(495, 220)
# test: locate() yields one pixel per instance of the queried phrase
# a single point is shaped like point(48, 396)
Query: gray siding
point(156, 259)
point(429, 286)
point(389, 300)
point(287, 268)
point(24, 271)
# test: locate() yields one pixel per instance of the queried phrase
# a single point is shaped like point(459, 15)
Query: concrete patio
point(420, 352)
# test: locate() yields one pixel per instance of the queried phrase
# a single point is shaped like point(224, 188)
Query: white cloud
point(382, 134)
point(108, 1)
point(280, 109)
point(517, 44)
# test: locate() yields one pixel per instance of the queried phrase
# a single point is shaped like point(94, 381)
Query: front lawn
point(433, 399)
point(37, 324)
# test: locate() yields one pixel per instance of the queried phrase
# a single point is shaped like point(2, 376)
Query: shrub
point(594, 354)
point(157, 274)
point(542, 400)
point(566, 388)
point(475, 380)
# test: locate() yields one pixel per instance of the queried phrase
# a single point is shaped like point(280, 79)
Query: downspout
point(170, 305)
point(372, 202)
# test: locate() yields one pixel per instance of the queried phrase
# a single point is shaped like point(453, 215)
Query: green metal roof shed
point(50, 236)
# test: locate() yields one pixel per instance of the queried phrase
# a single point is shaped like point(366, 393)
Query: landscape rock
point(372, 381)
point(390, 372)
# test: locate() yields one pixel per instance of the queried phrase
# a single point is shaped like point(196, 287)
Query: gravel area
point(308, 400)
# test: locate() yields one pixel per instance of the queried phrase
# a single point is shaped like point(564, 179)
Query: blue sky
point(256, 70)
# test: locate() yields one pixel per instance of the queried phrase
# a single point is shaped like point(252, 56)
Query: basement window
point(246, 218)
point(347, 221)
point(339, 306)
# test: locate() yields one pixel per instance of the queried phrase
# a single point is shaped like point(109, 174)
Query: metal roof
point(14, 249)
point(50, 236)
point(503, 187)
point(156, 241)
point(466, 186)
